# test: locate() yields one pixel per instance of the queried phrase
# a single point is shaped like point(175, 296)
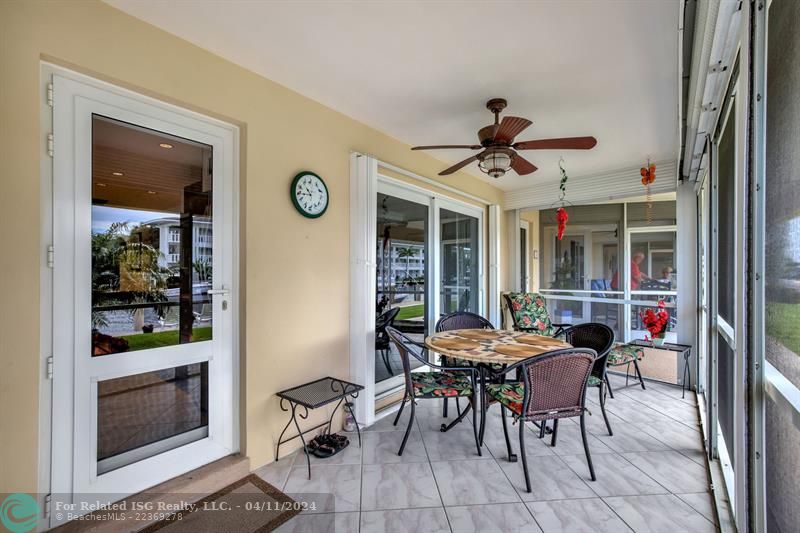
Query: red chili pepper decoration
point(561, 218)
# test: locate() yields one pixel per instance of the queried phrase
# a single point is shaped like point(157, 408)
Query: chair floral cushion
point(441, 384)
point(622, 354)
point(530, 313)
point(594, 382)
point(509, 394)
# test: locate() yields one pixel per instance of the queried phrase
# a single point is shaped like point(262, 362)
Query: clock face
point(309, 194)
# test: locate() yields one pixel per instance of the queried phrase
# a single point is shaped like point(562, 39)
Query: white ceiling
point(422, 71)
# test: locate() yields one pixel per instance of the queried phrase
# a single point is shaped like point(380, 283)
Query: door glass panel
point(401, 277)
point(145, 414)
point(459, 238)
point(151, 238)
point(567, 273)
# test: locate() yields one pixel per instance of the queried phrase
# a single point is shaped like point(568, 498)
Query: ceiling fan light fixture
point(496, 163)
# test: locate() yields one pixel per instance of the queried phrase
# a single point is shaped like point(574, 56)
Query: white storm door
point(144, 293)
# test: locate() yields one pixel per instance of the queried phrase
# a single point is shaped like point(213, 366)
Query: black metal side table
point(311, 396)
point(684, 349)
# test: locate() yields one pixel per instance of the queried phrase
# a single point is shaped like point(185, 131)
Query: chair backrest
point(462, 320)
point(386, 319)
point(405, 347)
point(596, 336)
point(528, 311)
point(555, 383)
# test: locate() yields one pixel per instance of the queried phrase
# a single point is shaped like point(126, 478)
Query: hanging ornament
point(561, 213)
point(648, 177)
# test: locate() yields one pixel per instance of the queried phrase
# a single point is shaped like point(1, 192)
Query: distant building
point(169, 239)
point(398, 267)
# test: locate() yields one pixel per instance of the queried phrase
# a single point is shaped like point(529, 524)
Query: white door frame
point(525, 266)
point(74, 95)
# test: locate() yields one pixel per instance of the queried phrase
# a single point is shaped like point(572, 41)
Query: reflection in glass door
point(152, 258)
point(401, 275)
point(459, 290)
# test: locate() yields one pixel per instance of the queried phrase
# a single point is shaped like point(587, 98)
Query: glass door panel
point(401, 275)
point(458, 234)
point(568, 270)
point(151, 262)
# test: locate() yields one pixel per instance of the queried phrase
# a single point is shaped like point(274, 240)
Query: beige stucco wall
point(295, 270)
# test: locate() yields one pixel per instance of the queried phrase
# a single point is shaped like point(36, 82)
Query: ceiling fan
point(499, 151)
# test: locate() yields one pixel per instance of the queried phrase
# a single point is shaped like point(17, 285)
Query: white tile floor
point(651, 475)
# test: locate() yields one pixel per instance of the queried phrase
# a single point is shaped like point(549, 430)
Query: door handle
point(222, 291)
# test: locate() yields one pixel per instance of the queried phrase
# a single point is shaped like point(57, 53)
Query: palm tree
point(407, 252)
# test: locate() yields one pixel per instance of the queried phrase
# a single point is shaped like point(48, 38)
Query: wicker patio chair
point(599, 338)
point(553, 387)
point(460, 320)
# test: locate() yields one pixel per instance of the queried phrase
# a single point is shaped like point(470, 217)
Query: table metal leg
point(353, 413)
point(300, 434)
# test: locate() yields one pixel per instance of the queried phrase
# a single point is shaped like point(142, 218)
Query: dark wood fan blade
point(564, 143)
point(448, 146)
point(510, 127)
point(522, 166)
point(459, 166)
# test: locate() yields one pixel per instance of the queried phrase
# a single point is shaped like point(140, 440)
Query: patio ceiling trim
point(612, 185)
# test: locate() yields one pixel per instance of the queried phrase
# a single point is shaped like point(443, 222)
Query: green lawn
point(145, 341)
point(412, 311)
point(783, 324)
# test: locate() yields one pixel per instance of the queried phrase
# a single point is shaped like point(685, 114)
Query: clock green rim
point(292, 194)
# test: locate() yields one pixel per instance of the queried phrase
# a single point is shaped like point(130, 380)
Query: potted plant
point(656, 323)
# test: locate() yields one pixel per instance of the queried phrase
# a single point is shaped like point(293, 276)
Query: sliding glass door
point(429, 262)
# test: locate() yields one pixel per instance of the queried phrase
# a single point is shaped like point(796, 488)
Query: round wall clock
point(309, 194)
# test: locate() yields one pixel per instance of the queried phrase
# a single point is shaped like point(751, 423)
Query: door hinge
point(50, 144)
point(50, 367)
point(46, 509)
point(50, 94)
point(51, 256)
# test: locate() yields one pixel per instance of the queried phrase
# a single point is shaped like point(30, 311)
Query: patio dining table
point(486, 347)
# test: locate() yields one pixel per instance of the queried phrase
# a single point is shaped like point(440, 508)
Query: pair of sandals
point(327, 445)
